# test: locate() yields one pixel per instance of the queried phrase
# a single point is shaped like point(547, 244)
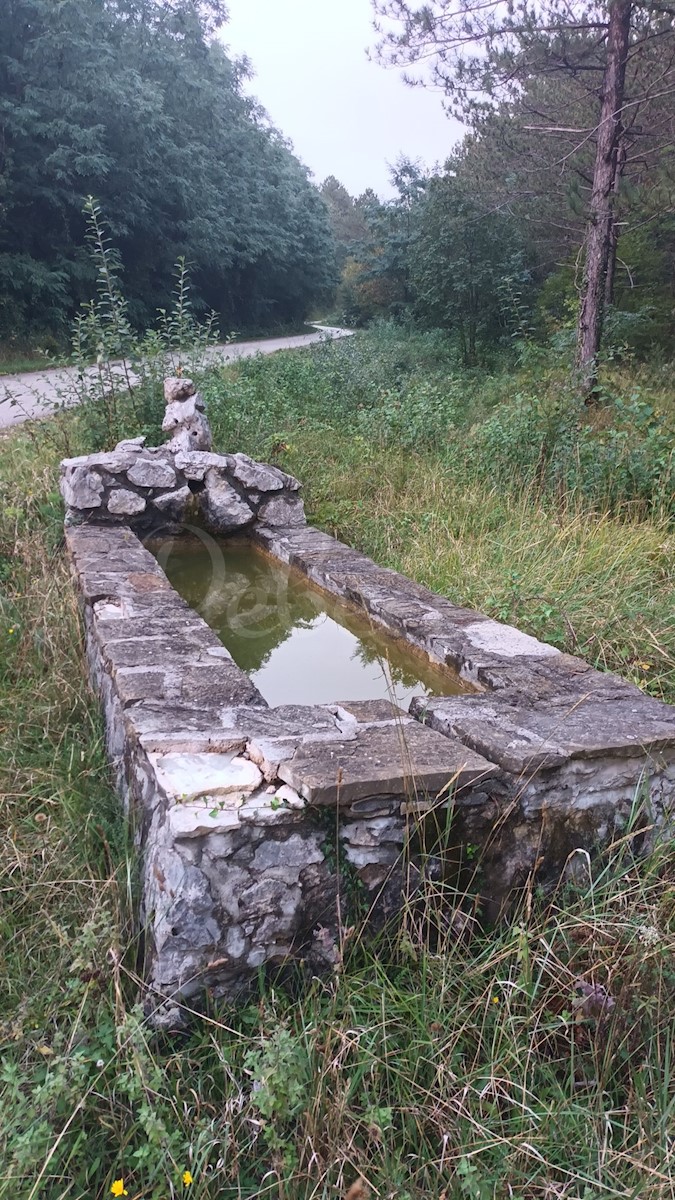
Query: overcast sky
point(345, 116)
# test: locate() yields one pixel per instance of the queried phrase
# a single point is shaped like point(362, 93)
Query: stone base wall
point(162, 488)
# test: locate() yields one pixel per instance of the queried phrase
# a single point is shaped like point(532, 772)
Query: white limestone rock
point(277, 806)
point(506, 640)
point(187, 421)
point(186, 777)
point(222, 505)
point(282, 510)
point(124, 503)
point(113, 461)
point(196, 819)
point(173, 503)
point(178, 388)
point(259, 476)
point(82, 488)
point(151, 472)
point(195, 464)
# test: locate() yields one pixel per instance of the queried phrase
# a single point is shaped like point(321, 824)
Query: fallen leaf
point(358, 1191)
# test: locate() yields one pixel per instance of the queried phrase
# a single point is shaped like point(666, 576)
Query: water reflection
point(298, 645)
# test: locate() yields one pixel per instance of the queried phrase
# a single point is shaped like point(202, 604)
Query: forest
point(136, 103)
point(501, 428)
point(555, 213)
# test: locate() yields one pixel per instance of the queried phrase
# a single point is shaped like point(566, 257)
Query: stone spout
point(185, 416)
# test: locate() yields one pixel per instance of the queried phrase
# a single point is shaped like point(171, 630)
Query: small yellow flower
point(495, 999)
point(118, 1188)
point(11, 629)
point(187, 1178)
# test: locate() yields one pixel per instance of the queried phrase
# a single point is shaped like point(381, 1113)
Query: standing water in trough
point(297, 643)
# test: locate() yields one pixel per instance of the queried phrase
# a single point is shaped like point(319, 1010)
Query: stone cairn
point(157, 489)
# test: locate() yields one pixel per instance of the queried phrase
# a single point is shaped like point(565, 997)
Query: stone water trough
point(263, 830)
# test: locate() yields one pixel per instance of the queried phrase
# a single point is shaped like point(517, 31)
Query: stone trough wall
point(572, 752)
point(249, 818)
point(264, 831)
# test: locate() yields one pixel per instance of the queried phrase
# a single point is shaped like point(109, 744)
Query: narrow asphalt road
point(35, 391)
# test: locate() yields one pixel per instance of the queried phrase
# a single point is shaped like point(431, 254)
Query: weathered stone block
point(223, 507)
point(186, 420)
point(410, 761)
point(124, 503)
point(188, 776)
point(177, 388)
point(195, 464)
point(282, 510)
point(173, 504)
point(82, 488)
point(260, 476)
point(151, 473)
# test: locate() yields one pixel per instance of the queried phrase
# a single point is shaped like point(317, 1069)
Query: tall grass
point(533, 1062)
point(517, 509)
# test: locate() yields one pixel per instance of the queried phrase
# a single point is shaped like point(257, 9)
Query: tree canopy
point(595, 76)
point(135, 102)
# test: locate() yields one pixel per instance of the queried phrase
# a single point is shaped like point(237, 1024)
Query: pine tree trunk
point(600, 229)
point(621, 155)
point(611, 267)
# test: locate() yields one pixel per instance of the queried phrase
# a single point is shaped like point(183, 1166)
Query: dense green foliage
point(464, 1067)
point(580, 77)
point(136, 103)
point(495, 247)
point(406, 391)
point(480, 253)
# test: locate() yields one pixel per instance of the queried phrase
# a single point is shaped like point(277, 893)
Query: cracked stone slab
point(160, 651)
point(113, 625)
point(541, 736)
point(137, 683)
point(273, 806)
point(183, 728)
point(217, 682)
point(197, 820)
point(190, 776)
point(274, 734)
point(291, 721)
point(381, 760)
point(370, 712)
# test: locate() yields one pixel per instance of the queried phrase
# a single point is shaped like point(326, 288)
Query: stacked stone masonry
point(230, 799)
point(164, 487)
point(255, 822)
